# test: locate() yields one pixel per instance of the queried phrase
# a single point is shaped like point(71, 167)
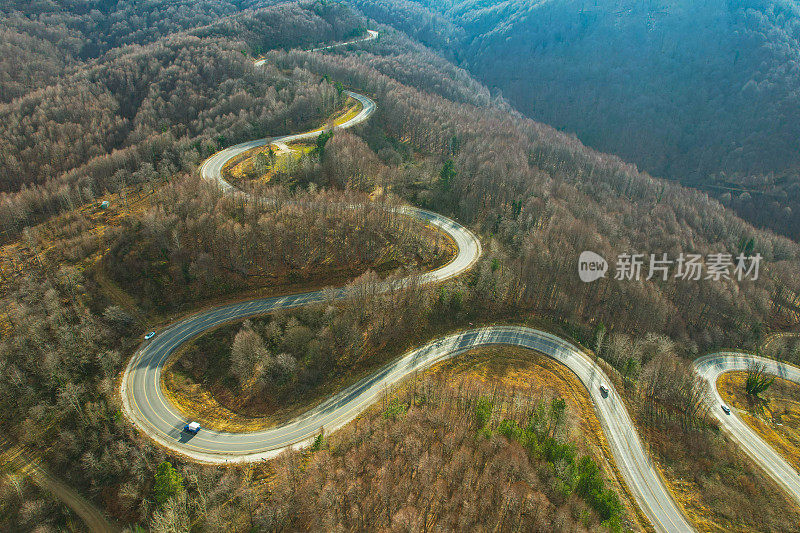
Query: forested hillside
point(702, 92)
point(145, 112)
point(546, 197)
point(126, 114)
point(40, 39)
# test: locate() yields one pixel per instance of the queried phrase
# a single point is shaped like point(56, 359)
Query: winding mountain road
point(710, 368)
point(211, 169)
point(145, 404)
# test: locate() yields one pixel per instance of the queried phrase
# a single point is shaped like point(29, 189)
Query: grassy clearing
point(243, 168)
point(197, 403)
point(352, 108)
point(775, 417)
point(212, 403)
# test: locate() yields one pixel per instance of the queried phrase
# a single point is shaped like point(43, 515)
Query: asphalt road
point(147, 407)
point(141, 386)
point(371, 36)
point(211, 169)
point(159, 419)
point(145, 404)
point(142, 397)
point(710, 367)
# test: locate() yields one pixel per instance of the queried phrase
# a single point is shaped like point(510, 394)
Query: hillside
point(175, 262)
point(167, 104)
point(702, 92)
point(41, 39)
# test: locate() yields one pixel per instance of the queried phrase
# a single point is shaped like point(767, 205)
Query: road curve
point(141, 393)
point(145, 404)
point(159, 419)
point(211, 169)
point(710, 367)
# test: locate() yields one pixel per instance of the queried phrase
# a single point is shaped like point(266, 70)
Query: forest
point(705, 93)
point(544, 197)
point(141, 113)
point(139, 94)
point(43, 40)
point(194, 244)
point(531, 479)
point(281, 363)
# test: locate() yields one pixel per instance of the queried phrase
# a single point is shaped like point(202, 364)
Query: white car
point(603, 390)
point(726, 409)
point(150, 335)
point(192, 427)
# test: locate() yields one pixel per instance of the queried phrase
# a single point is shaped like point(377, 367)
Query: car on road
point(726, 409)
point(192, 427)
point(150, 335)
point(603, 390)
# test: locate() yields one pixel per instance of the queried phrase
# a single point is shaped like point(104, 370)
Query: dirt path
point(13, 459)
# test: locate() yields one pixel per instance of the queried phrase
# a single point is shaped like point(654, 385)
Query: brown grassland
point(775, 415)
